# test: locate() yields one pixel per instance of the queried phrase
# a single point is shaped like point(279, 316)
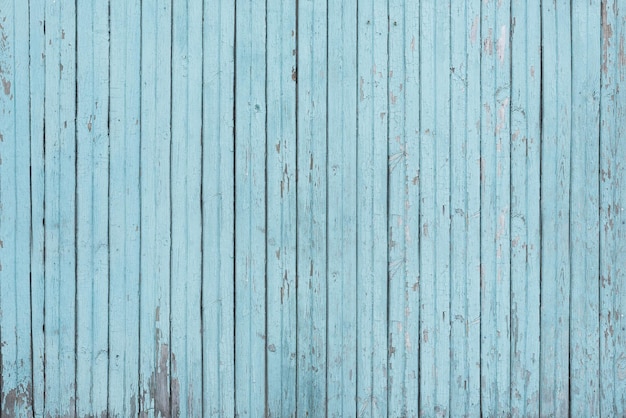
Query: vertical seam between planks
point(265, 356)
point(171, 244)
point(599, 207)
point(296, 210)
point(31, 401)
point(234, 296)
point(569, 223)
point(511, 216)
point(75, 209)
point(541, 83)
point(108, 394)
point(202, 377)
point(419, 193)
point(387, 233)
point(480, 226)
point(139, 286)
point(356, 180)
point(326, 225)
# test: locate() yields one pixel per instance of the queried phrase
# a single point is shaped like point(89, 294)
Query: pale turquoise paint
point(312, 208)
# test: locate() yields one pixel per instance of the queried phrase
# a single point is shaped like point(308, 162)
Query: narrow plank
point(472, 212)
point(92, 194)
point(464, 209)
point(525, 198)
point(612, 216)
point(401, 334)
point(434, 210)
point(124, 206)
point(60, 192)
point(250, 208)
point(281, 208)
point(372, 239)
point(495, 209)
point(584, 379)
point(15, 216)
point(555, 185)
point(312, 77)
point(186, 160)
point(155, 227)
point(37, 91)
point(403, 211)
point(342, 210)
point(218, 321)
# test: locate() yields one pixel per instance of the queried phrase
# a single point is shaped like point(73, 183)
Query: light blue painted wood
point(124, 207)
point(92, 206)
point(15, 216)
point(464, 209)
point(424, 217)
point(612, 215)
point(155, 223)
point(403, 210)
point(60, 185)
point(342, 210)
point(218, 320)
point(311, 244)
point(186, 158)
point(495, 209)
point(372, 239)
point(555, 214)
point(434, 177)
point(281, 209)
point(250, 208)
point(525, 200)
point(584, 385)
point(37, 186)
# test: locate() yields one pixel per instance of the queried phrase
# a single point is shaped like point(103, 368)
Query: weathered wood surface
point(312, 208)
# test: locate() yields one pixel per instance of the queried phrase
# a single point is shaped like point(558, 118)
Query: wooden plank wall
point(312, 208)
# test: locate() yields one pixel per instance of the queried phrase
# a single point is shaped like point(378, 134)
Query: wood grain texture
point(312, 208)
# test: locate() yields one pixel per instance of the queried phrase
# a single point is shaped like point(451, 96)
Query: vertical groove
point(202, 333)
point(265, 357)
point(234, 209)
point(540, 252)
point(108, 394)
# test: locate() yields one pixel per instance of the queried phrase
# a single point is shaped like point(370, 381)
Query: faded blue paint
point(312, 208)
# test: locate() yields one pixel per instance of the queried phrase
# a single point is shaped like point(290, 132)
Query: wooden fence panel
point(312, 208)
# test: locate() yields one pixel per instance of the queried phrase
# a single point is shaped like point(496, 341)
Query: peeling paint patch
point(6, 85)
point(501, 44)
point(607, 33)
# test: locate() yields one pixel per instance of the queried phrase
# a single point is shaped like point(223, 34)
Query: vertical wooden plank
point(612, 215)
point(472, 213)
point(92, 194)
point(311, 207)
point(555, 184)
point(495, 209)
point(218, 321)
point(124, 206)
point(342, 210)
point(525, 198)
point(435, 209)
point(403, 209)
point(281, 208)
point(154, 288)
point(400, 335)
point(584, 384)
point(250, 208)
point(15, 216)
point(372, 130)
point(186, 175)
point(37, 91)
point(60, 183)
point(465, 209)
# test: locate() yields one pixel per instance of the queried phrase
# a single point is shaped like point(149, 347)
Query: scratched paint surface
point(312, 208)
